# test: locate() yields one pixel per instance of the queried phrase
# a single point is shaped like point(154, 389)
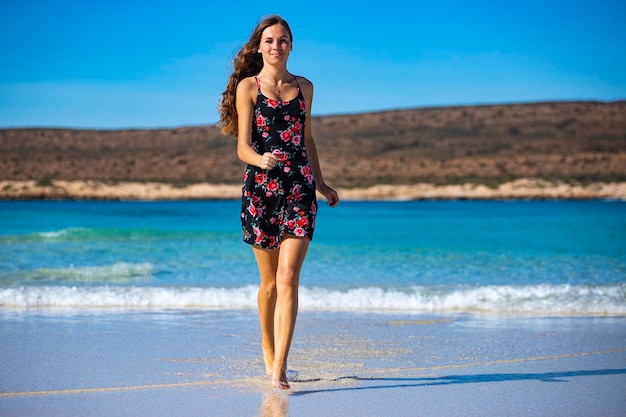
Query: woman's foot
point(282, 385)
point(281, 382)
point(292, 376)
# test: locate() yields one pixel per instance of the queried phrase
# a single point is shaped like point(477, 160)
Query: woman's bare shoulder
point(247, 84)
point(305, 85)
point(247, 89)
point(304, 82)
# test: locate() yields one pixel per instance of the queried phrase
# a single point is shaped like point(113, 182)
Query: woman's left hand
point(331, 195)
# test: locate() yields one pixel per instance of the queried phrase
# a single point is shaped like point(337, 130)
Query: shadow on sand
point(461, 379)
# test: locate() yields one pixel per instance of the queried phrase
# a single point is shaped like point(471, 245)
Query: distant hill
point(566, 141)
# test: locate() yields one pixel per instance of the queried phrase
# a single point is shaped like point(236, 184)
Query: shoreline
point(522, 189)
point(195, 363)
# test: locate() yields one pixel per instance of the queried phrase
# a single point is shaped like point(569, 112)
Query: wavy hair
point(247, 62)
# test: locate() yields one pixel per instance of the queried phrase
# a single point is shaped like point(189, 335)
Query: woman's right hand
point(268, 161)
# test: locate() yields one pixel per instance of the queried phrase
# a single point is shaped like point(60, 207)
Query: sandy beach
point(207, 363)
point(517, 189)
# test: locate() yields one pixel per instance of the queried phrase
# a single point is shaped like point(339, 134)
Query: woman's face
point(275, 44)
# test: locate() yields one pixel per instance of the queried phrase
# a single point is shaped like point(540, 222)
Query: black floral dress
point(280, 200)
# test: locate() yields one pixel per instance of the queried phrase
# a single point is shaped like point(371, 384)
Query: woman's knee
point(287, 277)
point(268, 288)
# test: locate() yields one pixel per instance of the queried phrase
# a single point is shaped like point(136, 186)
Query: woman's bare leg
point(267, 261)
point(290, 259)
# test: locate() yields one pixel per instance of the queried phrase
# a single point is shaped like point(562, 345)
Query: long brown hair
point(247, 62)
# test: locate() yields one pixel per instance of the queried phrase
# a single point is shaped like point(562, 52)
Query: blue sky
point(139, 63)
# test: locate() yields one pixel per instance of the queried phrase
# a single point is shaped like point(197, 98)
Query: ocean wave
point(70, 233)
point(83, 234)
point(117, 273)
point(61, 233)
point(537, 299)
point(533, 299)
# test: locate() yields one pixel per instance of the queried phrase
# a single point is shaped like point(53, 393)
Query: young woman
point(266, 107)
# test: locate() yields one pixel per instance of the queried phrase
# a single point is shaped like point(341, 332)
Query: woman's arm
point(311, 149)
point(246, 95)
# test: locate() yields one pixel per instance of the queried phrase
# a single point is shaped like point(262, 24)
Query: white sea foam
point(539, 299)
point(117, 273)
point(60, 233)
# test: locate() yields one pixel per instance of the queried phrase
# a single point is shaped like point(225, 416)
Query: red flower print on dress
point(296, 192)
point(285, 135)
point(260, 178)
point(272, 103)
point(278, 127)
point(281, 156)
point(273, 185)
point(297, 195)
point(308, 173)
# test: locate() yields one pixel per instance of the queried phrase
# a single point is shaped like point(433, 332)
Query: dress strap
point(296, 78)
point(258, 86)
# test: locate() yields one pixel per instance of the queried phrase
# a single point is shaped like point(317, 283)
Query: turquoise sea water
point(539, 257)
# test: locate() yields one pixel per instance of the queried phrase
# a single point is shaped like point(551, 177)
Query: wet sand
point(207, 363)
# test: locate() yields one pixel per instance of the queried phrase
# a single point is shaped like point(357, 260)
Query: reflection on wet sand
point(275, 404)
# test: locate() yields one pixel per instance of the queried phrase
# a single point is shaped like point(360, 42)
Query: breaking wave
point(535, 299)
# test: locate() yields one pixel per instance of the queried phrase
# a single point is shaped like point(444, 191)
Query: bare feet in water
point(290, 375)
point(281, 382)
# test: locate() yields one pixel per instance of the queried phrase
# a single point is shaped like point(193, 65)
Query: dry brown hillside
point(579, 141)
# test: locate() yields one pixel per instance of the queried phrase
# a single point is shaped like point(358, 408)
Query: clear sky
point(140, 63)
